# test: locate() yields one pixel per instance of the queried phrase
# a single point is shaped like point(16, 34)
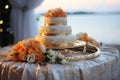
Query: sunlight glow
point(80, 5)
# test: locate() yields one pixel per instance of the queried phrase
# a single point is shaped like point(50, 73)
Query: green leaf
point(15, 54)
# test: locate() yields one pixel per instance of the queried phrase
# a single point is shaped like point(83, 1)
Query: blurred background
point(6, 34)
point(99, 18)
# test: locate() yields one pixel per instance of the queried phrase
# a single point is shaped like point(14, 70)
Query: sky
point(80, 5)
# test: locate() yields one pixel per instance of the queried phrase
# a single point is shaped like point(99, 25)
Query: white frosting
point(55, 30)
point(55, 21)
point(57, 40)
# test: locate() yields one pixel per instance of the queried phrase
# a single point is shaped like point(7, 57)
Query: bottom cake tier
point(57, 41)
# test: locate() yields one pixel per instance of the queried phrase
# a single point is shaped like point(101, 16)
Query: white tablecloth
point(104, 67)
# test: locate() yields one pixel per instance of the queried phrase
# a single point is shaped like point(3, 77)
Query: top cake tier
point(55, 17)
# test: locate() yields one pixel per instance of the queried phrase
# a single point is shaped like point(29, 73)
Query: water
point(102, 27)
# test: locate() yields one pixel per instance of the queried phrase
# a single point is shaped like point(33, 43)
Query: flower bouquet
point(33, 51)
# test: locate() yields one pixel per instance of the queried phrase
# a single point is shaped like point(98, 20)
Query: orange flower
point(57, 12)
point(86, 38)
point(29, 46)
point(20, 48)
point(40, 58)
point(15, 58)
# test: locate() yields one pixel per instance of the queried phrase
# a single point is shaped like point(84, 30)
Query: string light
point(1, 30)
point(11, 32)
point(1, 21)
point(6, 6)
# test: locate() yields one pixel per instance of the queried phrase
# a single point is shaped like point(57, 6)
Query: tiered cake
point(56, 32)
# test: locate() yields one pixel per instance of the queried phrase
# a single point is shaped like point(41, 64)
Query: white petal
point(63, 61)
point(79, 35)
point(60, 56)
point(53, 60)
point(43, 48)
point(30, 58)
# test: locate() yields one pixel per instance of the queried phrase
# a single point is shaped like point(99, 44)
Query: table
point(104, 67)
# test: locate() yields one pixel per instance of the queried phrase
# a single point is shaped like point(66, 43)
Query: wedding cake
point(30, 59)
point(56, 32)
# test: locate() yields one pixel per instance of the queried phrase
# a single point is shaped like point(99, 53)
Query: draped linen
point(104, 67)
point(23, 20)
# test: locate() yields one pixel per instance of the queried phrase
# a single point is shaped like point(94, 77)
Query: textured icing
point(55, 30)
point(55, 21)
point(57, 40)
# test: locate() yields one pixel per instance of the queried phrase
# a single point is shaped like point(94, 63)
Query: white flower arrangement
point(55, 57)
point(51, 56)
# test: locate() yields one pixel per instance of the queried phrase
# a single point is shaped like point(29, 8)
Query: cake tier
point(57, 41)
point(55, 21)
point(55, 30)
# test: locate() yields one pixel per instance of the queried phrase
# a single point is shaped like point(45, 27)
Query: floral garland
point(32, 51)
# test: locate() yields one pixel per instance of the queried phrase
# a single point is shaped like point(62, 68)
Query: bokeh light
point(1, 29)
point(1, 21)
point(6, 6)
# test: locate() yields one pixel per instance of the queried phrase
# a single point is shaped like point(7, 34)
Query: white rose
point(53, 60)
point(79, 35)
point(43, 48)
point(63, 61)
point(56, 54)
point(60, 56)
point(30, 58)
point(49, 50)
point(51, 53)
point(50, 56)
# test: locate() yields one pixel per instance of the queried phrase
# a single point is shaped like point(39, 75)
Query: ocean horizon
point(104, 28)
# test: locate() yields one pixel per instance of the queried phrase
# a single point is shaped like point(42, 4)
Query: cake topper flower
point(57, 12)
